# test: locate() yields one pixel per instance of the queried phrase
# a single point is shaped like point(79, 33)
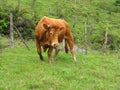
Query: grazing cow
point(49, 33)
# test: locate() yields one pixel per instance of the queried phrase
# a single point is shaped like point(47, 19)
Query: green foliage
point(97, 41)
point(4, 23)
point(114, 40)
point(20, 20)
point(109, 7)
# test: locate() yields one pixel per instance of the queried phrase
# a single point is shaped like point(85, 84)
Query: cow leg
point(49, 54)
point(38, 46)
point(44, 48)
point(56, 53)
point(66, 46)
point(71, 45)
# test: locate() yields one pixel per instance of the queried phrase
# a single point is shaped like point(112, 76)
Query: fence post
point(105, 42)
point(75, 1)
point(11, 31)
point(18, 4)
point(86, 41)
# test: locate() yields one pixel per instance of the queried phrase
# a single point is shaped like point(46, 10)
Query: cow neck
point(44, 36)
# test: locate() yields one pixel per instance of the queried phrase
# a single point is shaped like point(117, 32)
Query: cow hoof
point(75, 59)
point(42, 59)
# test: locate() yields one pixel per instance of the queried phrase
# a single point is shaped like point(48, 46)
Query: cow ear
point(46, 26)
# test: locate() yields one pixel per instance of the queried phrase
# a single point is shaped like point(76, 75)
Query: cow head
point(53, 33)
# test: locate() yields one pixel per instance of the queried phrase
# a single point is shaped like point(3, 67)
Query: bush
point(26, 28)
point(113, 41)
point(24, 25)
point(96, 41)
point(4, 21)
point(117, 2)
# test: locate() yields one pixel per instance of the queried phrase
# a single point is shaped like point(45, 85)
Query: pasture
point(21, 69)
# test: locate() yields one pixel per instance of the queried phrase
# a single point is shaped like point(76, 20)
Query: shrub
point(113, 41)
point(96, 41)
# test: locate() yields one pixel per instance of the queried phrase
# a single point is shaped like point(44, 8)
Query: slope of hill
point(98, 15)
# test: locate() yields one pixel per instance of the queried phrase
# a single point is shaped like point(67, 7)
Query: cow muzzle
point(55, 44)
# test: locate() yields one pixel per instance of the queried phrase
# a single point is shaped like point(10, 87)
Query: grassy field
point(21, 69)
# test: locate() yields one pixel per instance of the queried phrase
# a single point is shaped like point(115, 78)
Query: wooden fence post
point(91, 27)
point(18, 4)
point(11, 31)
point(75, 1)
point(105, 42)
point(86, 41)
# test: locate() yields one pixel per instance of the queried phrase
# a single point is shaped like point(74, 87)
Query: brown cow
point(49, 33)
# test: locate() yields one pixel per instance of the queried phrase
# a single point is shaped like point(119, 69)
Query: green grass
point(21, 69)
